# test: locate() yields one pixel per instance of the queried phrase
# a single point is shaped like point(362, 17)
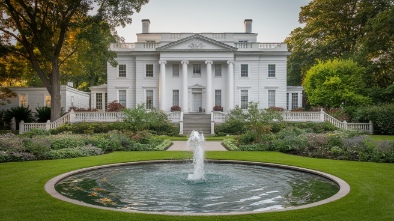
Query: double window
point(218, 98)
point(99, 101)
point(175, 98)
point(271, 98)
point(122, 97)
point(244, 99)
point(244, 70)
point(294, 101)
point(149, 99)
point(271, 70)
point(122, 70)
point(196, 70)
point(149, 70)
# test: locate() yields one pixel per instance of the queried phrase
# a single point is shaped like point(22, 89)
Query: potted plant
point(175, 108)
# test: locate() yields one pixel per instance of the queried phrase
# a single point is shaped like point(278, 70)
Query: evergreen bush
point(43, 114)
point(20, 113)
point(382, 117)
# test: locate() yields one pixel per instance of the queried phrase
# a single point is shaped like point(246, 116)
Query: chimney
point(145, 25)
point(248, 25)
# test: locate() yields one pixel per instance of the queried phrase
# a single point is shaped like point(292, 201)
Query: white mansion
point(197, 72)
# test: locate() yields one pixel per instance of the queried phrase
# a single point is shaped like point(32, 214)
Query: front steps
point(198, 122)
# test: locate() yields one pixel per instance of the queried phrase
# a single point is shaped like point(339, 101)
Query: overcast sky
point(273, 20)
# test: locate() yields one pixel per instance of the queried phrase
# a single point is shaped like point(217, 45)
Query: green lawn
point(382, 137)
point(23, 197)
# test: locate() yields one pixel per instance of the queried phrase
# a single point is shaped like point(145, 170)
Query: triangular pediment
point(196, 86)
point(196, 43)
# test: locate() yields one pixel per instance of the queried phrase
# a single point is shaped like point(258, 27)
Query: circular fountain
point(197, 188)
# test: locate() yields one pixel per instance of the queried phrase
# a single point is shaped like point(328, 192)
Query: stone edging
point(344, 188)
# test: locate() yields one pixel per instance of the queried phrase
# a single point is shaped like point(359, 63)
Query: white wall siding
point(116, 83)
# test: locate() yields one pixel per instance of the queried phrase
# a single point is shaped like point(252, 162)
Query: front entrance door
point(197, 102)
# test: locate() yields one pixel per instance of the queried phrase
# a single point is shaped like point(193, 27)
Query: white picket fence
point(177, 117)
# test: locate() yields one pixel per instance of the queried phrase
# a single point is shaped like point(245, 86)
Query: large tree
point(42, 27)
point(338, 29)
point(335, 83)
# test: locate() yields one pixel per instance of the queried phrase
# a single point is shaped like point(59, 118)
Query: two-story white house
point(198, 72)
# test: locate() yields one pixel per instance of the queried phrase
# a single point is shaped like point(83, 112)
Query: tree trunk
point(56, 104)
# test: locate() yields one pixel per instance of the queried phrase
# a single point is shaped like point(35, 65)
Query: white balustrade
point(174, 116)
point(123, 46)
point(219, 117)
point(243, 45)
point(98, 116)
point(269, 45)
point(301, 116)
point(177, 117)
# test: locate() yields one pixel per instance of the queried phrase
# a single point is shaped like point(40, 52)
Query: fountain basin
point(229, 187)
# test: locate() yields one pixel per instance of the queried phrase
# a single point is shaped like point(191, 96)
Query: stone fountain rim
point(344, 188)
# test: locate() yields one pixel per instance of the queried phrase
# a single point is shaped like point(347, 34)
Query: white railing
point(317, 116)
point(123, 46)
point(177, 117)
point(174, 116)
point(270, 45)
point(24, 127)
point(96, 116)
point(366, 127)
point(302, 116)
point(243, 45)
point(74, 117)
point(219, 117)
point(59, 122)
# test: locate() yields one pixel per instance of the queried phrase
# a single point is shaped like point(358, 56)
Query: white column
point(162, 85)
point(289, 96)
point(230, 85)
point(185, 88)
point(209, 106)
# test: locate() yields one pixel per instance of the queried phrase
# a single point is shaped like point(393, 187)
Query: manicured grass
point(382, 137)
point(23, 197)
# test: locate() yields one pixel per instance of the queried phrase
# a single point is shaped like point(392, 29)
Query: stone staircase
point(198, 122)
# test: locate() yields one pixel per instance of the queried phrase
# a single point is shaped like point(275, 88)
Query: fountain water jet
point(196, 142)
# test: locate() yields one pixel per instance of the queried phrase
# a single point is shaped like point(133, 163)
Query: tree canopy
point(362, 30)
point(45, 32)
point(335, 83)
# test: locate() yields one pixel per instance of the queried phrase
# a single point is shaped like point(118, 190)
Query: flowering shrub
point(114, 106)
point(218, 108)
point(175, 108)
point(68, 145)
point(275, 108)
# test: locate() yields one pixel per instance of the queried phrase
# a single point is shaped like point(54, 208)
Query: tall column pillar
point(185, 88)
point(162, 85)
point(230, 85)
point(209, 106)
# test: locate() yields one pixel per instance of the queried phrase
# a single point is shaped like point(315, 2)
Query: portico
point(197, 93)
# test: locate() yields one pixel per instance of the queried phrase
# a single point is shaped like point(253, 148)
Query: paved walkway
point(208, 146)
